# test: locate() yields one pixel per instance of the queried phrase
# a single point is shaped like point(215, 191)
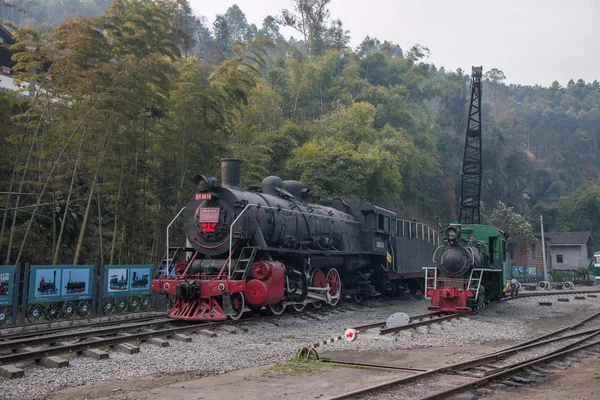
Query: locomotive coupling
point(188, 290)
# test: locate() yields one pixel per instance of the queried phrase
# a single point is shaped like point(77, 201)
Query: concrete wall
point(574, 256)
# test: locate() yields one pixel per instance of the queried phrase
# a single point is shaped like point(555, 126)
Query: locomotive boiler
point(267, 246)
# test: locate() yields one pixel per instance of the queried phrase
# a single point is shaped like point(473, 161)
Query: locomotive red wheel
point(335, 286)
point(238, 304)
point(277, 309)
point(318, 279)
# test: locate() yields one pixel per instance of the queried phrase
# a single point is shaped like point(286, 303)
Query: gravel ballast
point(277, 339)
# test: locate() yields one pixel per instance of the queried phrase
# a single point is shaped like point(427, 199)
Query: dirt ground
point(305, 381)
point(300, 381)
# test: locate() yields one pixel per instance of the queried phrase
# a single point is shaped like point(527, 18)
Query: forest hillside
point(132, 99)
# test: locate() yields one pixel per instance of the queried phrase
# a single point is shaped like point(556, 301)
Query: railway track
point(439, 316)
point(483, 369)
point(125, 335)
point(414, 322)
point(58, 329)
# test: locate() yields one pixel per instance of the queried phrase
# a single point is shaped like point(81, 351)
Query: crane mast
point(470, 192)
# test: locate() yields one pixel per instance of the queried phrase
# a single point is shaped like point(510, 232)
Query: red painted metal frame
point(198, 310)
point(450, 295)
point(208, 287)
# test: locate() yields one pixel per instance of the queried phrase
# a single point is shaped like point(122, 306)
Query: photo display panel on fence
point(53, 283)
point(7, 283)
point(127, 280)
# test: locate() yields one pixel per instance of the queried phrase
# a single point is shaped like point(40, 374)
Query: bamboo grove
point(125, 107)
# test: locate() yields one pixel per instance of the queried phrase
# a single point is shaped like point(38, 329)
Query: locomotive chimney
point(231, 172)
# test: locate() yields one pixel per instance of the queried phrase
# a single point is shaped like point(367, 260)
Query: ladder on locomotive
point(430, 282)
point(475, 281)
point(241, 268)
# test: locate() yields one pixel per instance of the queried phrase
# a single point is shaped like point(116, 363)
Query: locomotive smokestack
point(231, 172)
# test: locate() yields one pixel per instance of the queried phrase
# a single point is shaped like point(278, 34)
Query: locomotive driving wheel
point(4, 316)
point(237, 303)
point(121, 305)
point(146, 303)
point(301, 292)
point(53, 311)
point(108, 307)
point(277, 309)
point(69, 310)
point(299, 306)
point(335, 286)
point(134, 304)
point(84, 308)
point(35, 313)
point(318, 279)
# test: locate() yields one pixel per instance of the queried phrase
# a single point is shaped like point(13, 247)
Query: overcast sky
point(532, 41)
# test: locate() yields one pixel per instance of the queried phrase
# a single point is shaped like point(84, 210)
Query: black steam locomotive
point(266, 246)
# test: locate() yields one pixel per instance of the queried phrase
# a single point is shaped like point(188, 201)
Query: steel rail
point(482, 360)
point(550, 334)
point(49, 331)
point(567, 350)
point(554, 293)
point(420, 323)
point(14, 344)
point(392, 367)
point(362, 328)
point(78, 347)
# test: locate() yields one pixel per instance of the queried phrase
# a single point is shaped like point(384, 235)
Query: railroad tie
point(11, 372)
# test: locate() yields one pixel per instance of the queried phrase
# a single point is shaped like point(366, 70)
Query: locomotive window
point(380, 222)
point(405, 229)
point(398, 228)
point(387, 221)
point(370, 220)
point(492, 247)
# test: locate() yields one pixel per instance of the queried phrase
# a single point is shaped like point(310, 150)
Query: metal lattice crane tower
point(470, 192)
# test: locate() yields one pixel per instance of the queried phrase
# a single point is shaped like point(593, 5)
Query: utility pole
point(543, 249)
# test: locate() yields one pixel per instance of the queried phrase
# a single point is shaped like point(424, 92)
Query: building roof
point(574, 238)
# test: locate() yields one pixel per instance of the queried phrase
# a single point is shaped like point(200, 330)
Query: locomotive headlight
point(205, 183)
point(451, 233)
point(202, 185)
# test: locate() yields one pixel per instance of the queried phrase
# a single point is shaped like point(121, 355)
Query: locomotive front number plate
point(203, 196)
point(209, 215)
